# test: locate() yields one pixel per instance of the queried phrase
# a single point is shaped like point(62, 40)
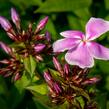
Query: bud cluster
point(69, 84)
point(30, 41)
point(13, 65)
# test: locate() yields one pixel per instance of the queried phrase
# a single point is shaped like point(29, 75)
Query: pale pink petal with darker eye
point(80, 57)
point(98, 51)
point(64, 44)
point(73, 34)
point(96, 27)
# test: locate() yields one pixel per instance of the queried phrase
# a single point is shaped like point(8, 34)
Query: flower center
point(84, 40)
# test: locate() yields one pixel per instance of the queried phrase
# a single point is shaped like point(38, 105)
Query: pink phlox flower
point(81, 48)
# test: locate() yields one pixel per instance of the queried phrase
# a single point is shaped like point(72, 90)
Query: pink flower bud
point(66, 69)
point(12, 35)
point(15, 17)
point(47, 76)
point(48, 36)
point(17, 76)
point(5, 23)
point(39, 58)
point(39, 47)
point(57, 65)
point(5, 48)
point(4, 61)
point(57, 88)
point(91, 81)
point(42, 23)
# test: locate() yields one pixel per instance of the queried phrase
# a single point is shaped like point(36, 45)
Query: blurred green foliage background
point(63, 15)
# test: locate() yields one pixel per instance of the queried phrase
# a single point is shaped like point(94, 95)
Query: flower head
point(81, 48)
point(68, 83)
point(13, 66)
point(30, 41)
point(53, 85)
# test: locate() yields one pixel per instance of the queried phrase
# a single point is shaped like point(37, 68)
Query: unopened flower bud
point(5, 24)
point(4, 61)
point(39, 47)
point(30, 27)
point(91, 81)
point(15, 17)
point(5, 48)
point(39, 58)
point(47, 76)
point(48, 36)
point(16, 77)
point(57, 65)
point(66, 69)
point(12, 34)
point(42, 23)
point(57, 88)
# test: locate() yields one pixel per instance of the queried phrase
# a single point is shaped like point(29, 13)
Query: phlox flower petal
point(98, 51)
point(96, 27)
point(80, 56)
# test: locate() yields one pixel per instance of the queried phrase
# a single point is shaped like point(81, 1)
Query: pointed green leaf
point(39, 88)
point(22, 4)
point(3, 103)
point(41, 101)
point(106, 4)
point(63, 5)
point(81, 92)
point(30, 65)
point(51, 27)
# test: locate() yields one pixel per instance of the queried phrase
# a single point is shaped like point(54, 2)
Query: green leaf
point(83, 14)
point(81, 92)
point(30, 65)
point(22, 4)
point(51, 27)
point(3, 104)
point(107, 105)
point(41, 101)
point(104, 66)
point(106, 4)
point(3, 87)
point(39, 88)
point(101, 100)
point(80, 99)
point(23, 82)
point(17, 91)
point(54, 72)
point(74, 22)
point(63, 5)
point(107, 82)
point(15, 97)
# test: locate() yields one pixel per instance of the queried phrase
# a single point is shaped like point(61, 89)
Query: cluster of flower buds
point(12, 65)
point(26, 42)
point(54, 86)
point(30, 41)
point(70, 84)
